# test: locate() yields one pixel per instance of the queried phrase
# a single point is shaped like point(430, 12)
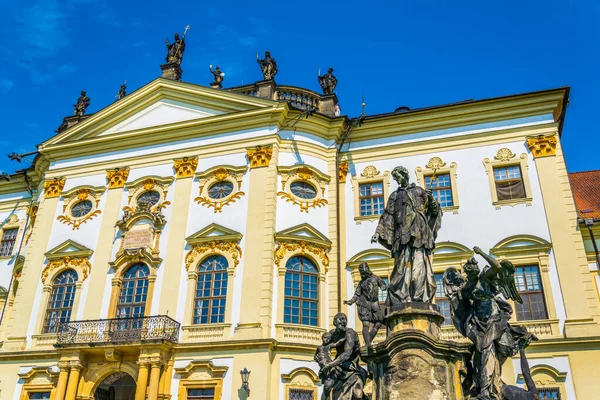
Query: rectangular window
point(441, 189)
point(301, 394)
point(509, 183)
point(383, 293)
point(201, 394)
point(39, 395)
point(9, 237)
point(529, 285)
point(441, 300)
point(371, 199)
point(549, 394)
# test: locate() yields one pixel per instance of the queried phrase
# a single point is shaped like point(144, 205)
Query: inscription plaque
point(138, 238)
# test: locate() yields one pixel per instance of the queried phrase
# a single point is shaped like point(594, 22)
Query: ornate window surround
point(547, 376)
point(304, 173)
point(211, 240)
point(524, 250)
point(13, 222)
point(38, 379)
point(144, 184)
point(369, 175)
point(67, 255)
point(125, 259)
point(200, 374)
point(506, 158)
point(74, 196)
point(438, 167)
point(302, 378)
point(307, 241)
point(227, 173)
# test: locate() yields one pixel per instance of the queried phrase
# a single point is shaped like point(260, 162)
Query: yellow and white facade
point(177, 187)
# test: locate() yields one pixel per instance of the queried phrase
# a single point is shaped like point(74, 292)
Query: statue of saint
point(122, 90)
point(366, 296)
point(323, 357)
point(82, 103)
point(408, 228)
point(268, 65)
point(328, 82)
point(482, 315)
point(218, 76)
point(175, 50)
point(349, 377)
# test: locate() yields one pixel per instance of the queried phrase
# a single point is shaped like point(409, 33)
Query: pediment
point(161, 102)
point(213, 232)
point(304, 232)
point(68, 248)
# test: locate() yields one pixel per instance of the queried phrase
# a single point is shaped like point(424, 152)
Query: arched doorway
point(118, 386)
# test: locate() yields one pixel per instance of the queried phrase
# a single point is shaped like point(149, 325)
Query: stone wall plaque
point(138, 238)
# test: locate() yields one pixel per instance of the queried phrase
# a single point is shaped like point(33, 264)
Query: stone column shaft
point(154, 380)
point(142, 382)
point(73, 383)
point(61, 385)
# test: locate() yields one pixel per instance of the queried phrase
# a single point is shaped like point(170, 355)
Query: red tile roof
point(586, 190)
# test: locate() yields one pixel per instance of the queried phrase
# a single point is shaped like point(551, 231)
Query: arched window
point(301, 293)
point(211, 291)
point(134, 291)
point(60, 304)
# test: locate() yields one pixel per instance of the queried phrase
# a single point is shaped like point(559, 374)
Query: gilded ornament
point(219, 175)
point(369, 172)
point(198, 251)
point(304, 205)
point(53, 187)
point(78, 263)
point(259, 156)
point(149, 184)
point(285, 247)
point(435, 163)
point(117, 177)
point(504, 154)
point(343, 171)
point(542, 146)
point(76, 222)
point(186, 166)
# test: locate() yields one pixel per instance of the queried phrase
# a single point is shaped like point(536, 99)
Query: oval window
point(151, 196)
point(220, 190)
point(303, 189)
point(81, 209)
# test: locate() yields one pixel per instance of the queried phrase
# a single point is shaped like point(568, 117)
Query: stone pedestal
point(413, 362)
point(171, 71)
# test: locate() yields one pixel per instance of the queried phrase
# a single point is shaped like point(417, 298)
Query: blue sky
point(417, 53)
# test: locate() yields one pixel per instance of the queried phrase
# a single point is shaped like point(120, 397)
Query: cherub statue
point(480, 314)
point(268, 66)
point(82, 103)
point(218, 76)
point(328, 82)
point(366, 296)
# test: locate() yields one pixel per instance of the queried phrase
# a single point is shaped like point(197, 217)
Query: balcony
point(159, 328)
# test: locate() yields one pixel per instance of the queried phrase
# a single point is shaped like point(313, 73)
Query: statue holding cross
point(175, 50)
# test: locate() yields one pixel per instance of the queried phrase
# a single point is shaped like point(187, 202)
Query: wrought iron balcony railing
point(118, 330)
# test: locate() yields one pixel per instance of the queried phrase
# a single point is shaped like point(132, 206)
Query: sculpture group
point(478, 300)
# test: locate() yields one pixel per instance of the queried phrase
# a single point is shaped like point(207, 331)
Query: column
point(257, 291)
point(154, 380)
point(184, 169)
point(28, 282)
point(61, 385)
point(142, 382)
point(73, 382)
point(110, 213)
point(168, 378)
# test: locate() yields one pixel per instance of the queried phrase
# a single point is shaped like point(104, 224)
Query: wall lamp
point(245, 376)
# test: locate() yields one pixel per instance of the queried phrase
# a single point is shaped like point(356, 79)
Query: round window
point(303, 189)
point(151, 196)
point(81, 209)
point(220, 190)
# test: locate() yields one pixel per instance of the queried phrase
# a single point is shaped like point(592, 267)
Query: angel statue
point(482, 315)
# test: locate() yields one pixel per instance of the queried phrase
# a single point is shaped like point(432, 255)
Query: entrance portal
point(119, 386)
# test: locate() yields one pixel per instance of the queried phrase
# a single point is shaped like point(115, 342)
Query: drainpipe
point(589, 222)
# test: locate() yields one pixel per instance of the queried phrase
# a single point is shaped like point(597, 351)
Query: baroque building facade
point(183, 234)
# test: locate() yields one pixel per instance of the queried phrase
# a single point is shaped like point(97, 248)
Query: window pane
point(61, 299)
point(39, 395)
point(549, 393)
point(441, 189)
point(211, 291)
point(301, 292)
point(371, 198)
point(9, 236)
point(441, 300)
point(134, 292)
point(528, 283)
point(301, 394)
point(509, 183)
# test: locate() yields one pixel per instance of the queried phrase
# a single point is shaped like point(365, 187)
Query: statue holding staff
point(408, 228)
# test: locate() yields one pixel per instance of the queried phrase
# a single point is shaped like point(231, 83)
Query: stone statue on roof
point(175, 50)
point(218, 76)
point(268, 66)
point(328, 82)
point(82, 103)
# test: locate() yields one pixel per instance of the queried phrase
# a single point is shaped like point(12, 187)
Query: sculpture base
point(413, 362)
point(215, 85)
point(171, 71)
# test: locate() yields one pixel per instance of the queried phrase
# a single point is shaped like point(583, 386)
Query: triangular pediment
point(304, 232)
point(68, 248)
point(161, 102)
point(213, 232)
